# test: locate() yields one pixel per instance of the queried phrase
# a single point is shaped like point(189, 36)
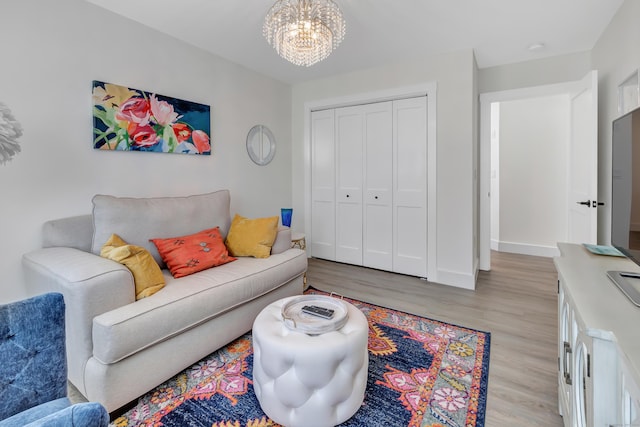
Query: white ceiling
point(383, 31)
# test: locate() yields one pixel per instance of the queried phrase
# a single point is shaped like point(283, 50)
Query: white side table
point(298, 240)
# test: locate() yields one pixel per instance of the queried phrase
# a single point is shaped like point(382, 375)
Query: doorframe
point(486, 99)
point(429, 90)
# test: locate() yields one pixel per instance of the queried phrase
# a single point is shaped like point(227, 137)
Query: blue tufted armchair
point(33, 368)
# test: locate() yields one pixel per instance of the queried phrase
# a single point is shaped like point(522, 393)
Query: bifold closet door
point(369, 185)
point(378, 186)
point(410, 186)
point(349, 143)
point(323, 185)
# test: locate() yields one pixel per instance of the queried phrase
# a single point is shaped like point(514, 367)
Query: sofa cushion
point(137, 220)
point(147, 275)
point(190, 301)
point(252, 237)
point(186, 255)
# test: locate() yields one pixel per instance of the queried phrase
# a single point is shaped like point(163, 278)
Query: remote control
point(314, 310)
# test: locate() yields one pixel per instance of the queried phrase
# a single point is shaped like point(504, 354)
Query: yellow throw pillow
point(252, 237)
point(146, 272)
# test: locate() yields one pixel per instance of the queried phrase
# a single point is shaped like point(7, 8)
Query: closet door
point(323, 185)
point(378, 186)
point(410, 186)
point(349, 138)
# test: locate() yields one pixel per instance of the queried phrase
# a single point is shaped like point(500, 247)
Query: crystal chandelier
point(304, 31)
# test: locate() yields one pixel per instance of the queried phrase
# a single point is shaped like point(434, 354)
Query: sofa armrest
point(91, 285)
point(283, 240)
point(73, 232)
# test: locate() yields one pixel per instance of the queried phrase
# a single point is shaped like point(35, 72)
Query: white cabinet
point(369, 181)
point(628, 408)
point(598, 351)
point(567, 335)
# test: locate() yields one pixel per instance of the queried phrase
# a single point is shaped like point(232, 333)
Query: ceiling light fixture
point(304, 31)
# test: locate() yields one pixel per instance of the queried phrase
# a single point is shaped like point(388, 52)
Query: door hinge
point(588, 365)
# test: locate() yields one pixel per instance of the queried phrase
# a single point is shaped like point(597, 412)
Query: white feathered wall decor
point(10, 131)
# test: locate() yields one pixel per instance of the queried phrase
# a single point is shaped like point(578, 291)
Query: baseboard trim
point(457, 279)
point(528, 249)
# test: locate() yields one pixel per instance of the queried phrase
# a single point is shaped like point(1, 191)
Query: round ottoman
point(307, 380)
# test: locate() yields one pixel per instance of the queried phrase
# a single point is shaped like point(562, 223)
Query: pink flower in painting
point(162, 112)
point(135, 110)
point(201, 141)
point(182, 131)
point(143, 136)
point(449, 399)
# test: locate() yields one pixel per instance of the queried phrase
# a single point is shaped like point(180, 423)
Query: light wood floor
point(516, 302)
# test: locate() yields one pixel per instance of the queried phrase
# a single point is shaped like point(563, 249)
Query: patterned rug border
point(444, 377)
point(484, 380)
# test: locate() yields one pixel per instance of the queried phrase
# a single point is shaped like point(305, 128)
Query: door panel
point(323, 209)
point(410, 186)
point(378, 179)
point(583, 162)
point(349, 145)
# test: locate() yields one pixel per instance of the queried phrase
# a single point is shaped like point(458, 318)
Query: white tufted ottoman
point(311, 381)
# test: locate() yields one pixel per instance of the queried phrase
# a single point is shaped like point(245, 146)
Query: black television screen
point(625, 185)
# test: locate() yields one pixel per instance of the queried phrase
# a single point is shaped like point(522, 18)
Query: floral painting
point(128, 119)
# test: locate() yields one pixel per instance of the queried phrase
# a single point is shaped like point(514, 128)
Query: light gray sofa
point(119, 348)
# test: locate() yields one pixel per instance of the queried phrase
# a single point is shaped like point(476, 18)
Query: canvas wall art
point(127, 119)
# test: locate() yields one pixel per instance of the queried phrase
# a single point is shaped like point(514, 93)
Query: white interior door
point(583, 162)
point(323, 184)
point(349, 145)
point(410, 186)
point(378, 190)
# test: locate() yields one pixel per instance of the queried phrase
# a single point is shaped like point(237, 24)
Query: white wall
point(538, 72)
point(616, 55)
point(533, 144)
point(51, 52)
point(456, 136)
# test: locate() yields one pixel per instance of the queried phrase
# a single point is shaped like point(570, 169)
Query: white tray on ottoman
point(310, 380)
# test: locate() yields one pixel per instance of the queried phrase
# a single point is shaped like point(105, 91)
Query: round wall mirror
point(261, 145)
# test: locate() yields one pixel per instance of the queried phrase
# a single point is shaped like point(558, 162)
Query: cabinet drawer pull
point(565, 370)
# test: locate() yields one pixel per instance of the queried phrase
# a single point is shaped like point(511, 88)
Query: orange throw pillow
point(186, 255)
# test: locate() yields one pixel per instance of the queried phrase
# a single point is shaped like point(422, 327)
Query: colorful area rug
point(421, 373)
